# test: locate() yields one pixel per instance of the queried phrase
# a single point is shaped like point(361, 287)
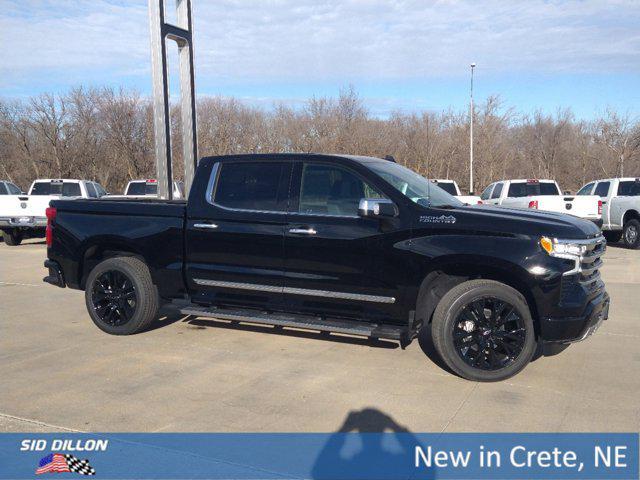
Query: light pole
point(471, 135)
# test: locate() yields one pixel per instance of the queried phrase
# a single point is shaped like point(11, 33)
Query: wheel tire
point(445, 319)
point(631, 234)
point(146, 299)
point(12, 237)
point(612, 236)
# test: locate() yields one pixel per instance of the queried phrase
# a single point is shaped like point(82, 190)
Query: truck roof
point(271, 156)
point(622, 179)
point(59, 180)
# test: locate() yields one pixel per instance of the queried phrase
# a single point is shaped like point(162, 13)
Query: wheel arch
point(630, 214)
point(95, 253)
point(449, 273)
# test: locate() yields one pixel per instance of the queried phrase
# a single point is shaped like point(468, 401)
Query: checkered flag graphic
point(79, 466)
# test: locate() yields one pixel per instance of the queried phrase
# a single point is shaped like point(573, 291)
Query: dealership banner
point(251, 456)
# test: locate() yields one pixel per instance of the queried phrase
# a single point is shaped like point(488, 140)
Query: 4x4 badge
point(440, 219)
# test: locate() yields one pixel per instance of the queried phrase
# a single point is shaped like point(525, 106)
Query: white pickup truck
point(620, 208)
point(25, 215)
point(451, 187)
point(149, 188)
point(542, 195)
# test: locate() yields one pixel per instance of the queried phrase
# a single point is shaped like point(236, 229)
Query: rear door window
point(602, 189)
point(13, 189)
point(497, 191)
point(3, 189)
point(586, 190)
point(629, 188)
point(486, 192)
point(257, 186)
point(91, 190)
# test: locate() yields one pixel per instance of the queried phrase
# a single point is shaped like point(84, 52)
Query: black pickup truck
point(337, 243)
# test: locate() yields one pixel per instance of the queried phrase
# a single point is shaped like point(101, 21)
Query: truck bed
point(152, 228)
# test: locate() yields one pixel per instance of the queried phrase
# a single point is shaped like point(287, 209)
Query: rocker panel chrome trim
point(295, 291)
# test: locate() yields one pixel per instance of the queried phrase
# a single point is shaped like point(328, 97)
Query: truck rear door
point(234, 235)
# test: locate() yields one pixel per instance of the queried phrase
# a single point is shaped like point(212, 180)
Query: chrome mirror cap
point(377, 208)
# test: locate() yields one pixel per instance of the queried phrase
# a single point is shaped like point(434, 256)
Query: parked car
point(337, 243)
point(620, 208)
point(9, 188)
point(24, 215)
point(149, 188)
point(542, 195)
point(451, 187)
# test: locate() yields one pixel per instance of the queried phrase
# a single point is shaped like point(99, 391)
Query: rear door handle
point(210, 226)
point(303, 231)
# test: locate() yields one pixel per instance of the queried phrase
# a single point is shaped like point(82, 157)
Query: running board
point(307, 322)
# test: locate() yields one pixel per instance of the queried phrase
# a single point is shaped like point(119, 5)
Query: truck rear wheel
point(483, 330)
point(631, 234)
point(120, 296)
point(12, 237)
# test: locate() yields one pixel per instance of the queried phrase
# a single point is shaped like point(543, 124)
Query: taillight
point(533, 204)
point(599, 207)
point(479, 202)
point(51, 213)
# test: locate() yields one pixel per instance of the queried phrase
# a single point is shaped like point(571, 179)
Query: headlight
point(562, 248)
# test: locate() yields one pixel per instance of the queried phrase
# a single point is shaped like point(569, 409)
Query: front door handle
point(303, 231)
point(210, 226)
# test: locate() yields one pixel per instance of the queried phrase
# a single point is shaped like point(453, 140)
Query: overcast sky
point(408, 55)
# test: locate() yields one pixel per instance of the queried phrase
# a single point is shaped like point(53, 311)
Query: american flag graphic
point(61, 463)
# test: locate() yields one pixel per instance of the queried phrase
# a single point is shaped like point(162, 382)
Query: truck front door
point(234, 239)
point(335, 260)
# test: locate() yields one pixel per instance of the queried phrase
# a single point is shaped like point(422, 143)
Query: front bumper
point(55, 277)
point(575, 329)
point(23, 222)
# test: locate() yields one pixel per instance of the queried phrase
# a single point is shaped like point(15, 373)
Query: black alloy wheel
point(114, 298)
point(489, 334)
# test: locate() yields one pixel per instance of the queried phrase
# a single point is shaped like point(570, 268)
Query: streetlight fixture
point(473, 65)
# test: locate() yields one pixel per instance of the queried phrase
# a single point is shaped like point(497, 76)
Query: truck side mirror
point(377, 208)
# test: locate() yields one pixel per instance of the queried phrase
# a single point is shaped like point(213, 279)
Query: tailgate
point(20, 207)
point(577, 205)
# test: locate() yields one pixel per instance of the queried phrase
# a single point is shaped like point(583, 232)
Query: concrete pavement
point(60, 372)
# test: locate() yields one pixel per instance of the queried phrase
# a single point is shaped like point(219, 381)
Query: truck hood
point(491, 219)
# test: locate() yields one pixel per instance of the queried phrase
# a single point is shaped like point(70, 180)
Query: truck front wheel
point(483, 330)
point(120, 296)
point(12, 237)
point(631, 233)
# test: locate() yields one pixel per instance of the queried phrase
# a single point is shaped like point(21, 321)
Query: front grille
point(585, 275)
point(590, 262)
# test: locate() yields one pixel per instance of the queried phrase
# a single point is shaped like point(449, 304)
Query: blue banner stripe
point(332, 456)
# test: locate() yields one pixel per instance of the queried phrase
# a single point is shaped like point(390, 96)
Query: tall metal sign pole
point(182, 34)
point(471, 134)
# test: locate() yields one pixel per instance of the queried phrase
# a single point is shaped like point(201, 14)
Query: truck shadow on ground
point(169, 317)
point(366, 455)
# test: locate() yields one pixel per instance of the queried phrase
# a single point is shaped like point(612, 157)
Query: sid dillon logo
point(57, 462)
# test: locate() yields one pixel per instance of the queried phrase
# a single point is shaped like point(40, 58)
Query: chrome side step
point(307, 322)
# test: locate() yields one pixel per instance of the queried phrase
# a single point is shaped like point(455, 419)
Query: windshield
point(415, 187)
